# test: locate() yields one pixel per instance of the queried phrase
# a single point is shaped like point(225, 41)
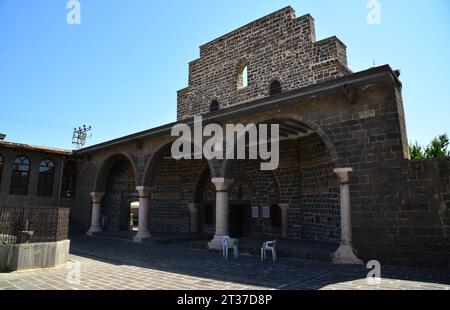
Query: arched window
point(275, 88)
point(1, 168)
point(69, 181)
point(46, 178)
point(20, 174)
point(242, 78)
point(214, 106)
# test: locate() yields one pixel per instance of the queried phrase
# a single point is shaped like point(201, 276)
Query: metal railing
point(32, 225)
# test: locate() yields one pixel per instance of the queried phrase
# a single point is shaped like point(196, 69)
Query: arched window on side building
point(20, 176)
point(46, 178)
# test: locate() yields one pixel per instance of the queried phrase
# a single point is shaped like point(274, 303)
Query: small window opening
point(243, 75)
point(275, 88)
point(214, 106)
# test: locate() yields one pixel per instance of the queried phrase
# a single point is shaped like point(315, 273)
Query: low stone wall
point(16, 257)
point(401, 216)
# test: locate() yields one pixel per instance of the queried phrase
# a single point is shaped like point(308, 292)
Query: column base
point(141, 236)
point(93, 230)
point(345, 255)
point(216, 243)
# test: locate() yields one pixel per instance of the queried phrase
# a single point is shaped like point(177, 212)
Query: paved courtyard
point(103, 263)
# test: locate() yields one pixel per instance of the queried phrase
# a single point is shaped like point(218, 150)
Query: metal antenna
point(80, 135)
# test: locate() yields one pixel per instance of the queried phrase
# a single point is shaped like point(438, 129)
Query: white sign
point(255, 212)
point(266, 212)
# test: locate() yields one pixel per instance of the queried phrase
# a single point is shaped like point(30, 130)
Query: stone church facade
point(344, 172)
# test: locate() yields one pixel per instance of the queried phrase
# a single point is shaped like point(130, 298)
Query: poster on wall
point(266, 212)
point(255, 212)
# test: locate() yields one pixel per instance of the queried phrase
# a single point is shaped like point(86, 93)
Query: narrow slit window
point(242, 75)
point(245, 77)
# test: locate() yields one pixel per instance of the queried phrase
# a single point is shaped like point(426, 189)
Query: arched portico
point(313, 201)
point(115, 186)
point(172, 183)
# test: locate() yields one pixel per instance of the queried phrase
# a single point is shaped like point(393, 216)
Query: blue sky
point(119, 70)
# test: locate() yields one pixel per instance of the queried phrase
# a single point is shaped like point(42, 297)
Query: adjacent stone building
point(344, 175)
point(36, 176)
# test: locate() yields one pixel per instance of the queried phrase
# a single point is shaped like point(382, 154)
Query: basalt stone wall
point(251, 188)
point(309, 186)
point(320, 192)
point(120, 192)
point(408, 221)
point(260, 189)
point(279, 47)
point(81, 210)
point(31, 199)
point(174, 186)
point(305, 180)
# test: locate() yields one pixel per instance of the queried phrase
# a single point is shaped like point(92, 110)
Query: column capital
point(283, 206)
point(144, 191)
point(342, 173)
point(222, 184)
point(193, 206)
point(97, 197)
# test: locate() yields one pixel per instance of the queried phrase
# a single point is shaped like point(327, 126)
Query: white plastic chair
point(269, 246)
point(223, 242)
point(231, 244)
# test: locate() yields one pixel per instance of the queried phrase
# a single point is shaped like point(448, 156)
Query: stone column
point(194, 209)
point(345, 253)
point(222, 186)
point(96, 225)
point(144, 209)
point(284, 219)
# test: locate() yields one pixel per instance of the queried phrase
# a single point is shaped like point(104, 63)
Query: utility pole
point(80, 135)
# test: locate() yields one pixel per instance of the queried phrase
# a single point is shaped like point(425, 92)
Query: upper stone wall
point(278, 46)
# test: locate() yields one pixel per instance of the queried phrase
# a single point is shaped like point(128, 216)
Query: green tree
point(438, 148)
point(415, 151)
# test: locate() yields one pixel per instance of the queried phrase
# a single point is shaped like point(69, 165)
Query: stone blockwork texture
point(174, 188)
point(304, 180)
point(400, 208)
point(279, 47)
point(120, 193)
point(319, 192)
point(403, 215)
point(31, 199)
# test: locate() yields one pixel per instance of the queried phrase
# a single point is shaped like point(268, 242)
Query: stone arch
point(102, 174)
point(229, 165)
point(172, 184)
point(214, 106)
point(242, 71)
point(117, 179)
point(311, 188)
point(275, 86)
point(151, 165)
point(203, 178)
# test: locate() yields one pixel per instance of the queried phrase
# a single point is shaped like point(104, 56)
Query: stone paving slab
point(122, 265)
